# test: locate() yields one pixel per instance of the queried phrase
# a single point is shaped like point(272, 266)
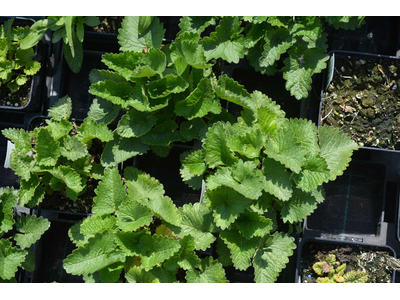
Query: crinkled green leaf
point(133, 37)
point(21, 163)
point(163, 134)
point(10, 259)
point(245, 178)
point(301, 205)
point(99, 252)
point(242, 249)
point(215, 145)
point(227, 204)
point(277, 42)
point(90, 130)
point(277, 179)
point(195, 24)
point(132, 215)
point(135, 124)
point(97, 224)
point(31, 229)
point(336, 148)
point(62, 109)
point(69, 176)
point(210, 271)
point(21, 138)
point(170, 84)
point(58, 129)
point(314, 173)
point(120, 149)
point(301, 64)
point(110, 193)
point(285, 148)
point(197, 221)
point(226, 42)
point(73, 148)
point(248, 144)
point(48, 149)
point(228, 89)
point(142, 186)
point(153, 249)
point(140, 275)
point(251, 224)
point(102, 111)
point(8, 198)
point(77, 237)
point(194, 162)
point(186, 257)
point(27, 189)
point(133, 65)
point(200, 102)
point(224, 254)
point(272, 256)
point(193, 54)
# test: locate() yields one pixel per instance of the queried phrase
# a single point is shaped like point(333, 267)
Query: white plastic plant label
point(10, 147)
point(331, 69)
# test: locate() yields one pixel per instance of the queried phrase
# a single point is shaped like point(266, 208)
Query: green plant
point(301, 43)
point(168, 94)
point(262, 175)
point(124, 240)
point(17, 64)
point(59, 156)
point(335, 272)
point(29, 229)
point(70, 29)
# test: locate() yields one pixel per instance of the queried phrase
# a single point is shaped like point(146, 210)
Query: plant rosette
point(59, 162)
point(15, 246)
point(17, 66)
point(262, 174)
point(362, 99)
point(125, 241)
point(345, 263)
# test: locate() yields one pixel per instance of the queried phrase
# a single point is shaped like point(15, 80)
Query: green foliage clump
point(58, 156)
point(331, 271)
point(124, 240)
point(17, 64)
point(169, 93)
point(70, 29)
point(301, 42)
point(261, 174)
point(15, 249)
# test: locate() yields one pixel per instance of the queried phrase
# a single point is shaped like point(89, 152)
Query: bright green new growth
point(56, 157)
point(29, 229)
point(124, 237)
point(70, 29)
point(17, 64)
point(257, 170)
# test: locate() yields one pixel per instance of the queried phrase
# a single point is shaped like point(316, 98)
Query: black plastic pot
point(354, 203)
point(327, 75)
point(305, 245)
point(36, 103)
point(53, 247)
point(378, 34)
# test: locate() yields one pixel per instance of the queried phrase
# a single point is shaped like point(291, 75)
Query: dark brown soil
point(59, 200)
point(363, 100)
point(18, 99)
point(109, 24)
point(352, 256)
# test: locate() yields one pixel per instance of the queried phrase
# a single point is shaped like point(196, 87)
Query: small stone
point(9, 94)
point(361, 144)
point(394, 87)
point(8, 103)
point(16, 104)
